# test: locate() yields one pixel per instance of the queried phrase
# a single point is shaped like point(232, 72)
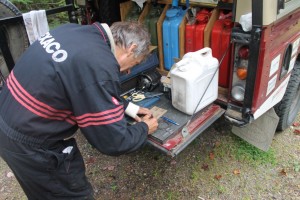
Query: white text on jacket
point(52, 47)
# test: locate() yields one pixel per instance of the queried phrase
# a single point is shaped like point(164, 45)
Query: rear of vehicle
point(262, 73)
point(265, 70)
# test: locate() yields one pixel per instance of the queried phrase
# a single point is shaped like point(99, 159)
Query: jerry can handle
point(182, 65)
point(175, 3)
point(205, 52)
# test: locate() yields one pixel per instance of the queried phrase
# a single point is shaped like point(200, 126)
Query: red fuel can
point(220, 40)
point(194, 33)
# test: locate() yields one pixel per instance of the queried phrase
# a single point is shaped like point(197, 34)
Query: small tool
point(169, 120)
point(138, 96)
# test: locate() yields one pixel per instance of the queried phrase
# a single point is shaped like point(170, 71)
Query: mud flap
point(261, 131)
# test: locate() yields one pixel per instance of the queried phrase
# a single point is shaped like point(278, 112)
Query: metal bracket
point(185, 131)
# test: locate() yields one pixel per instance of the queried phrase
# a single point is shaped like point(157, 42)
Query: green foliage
point(114, 187)
point(25, 2)
point(27, 5)
point(53, 20)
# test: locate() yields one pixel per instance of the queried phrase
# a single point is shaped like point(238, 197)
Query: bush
point(53, 20)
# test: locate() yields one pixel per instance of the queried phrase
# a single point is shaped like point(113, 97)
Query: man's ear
point(131, 49)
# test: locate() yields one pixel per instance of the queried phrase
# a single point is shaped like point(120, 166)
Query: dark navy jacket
point(67, 79)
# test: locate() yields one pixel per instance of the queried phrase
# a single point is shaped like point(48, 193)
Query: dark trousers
point(46, 172)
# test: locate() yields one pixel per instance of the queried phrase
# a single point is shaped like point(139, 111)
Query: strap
point(19, 137)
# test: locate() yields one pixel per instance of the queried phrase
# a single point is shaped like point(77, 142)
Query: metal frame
point(257, 11)
point(69, 7)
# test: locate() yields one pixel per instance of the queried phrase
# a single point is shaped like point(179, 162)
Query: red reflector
point(244, 52)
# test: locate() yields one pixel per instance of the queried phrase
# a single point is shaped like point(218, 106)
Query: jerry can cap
point(228, 23)
point(202, 18)
point(173, 12)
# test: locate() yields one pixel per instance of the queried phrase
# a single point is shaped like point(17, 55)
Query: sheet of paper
point(158, 112)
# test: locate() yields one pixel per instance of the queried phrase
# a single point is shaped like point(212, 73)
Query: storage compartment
point(194, 78)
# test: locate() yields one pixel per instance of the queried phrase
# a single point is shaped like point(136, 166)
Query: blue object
point(136, 97)
point(169, 120)
point(174, 17)
point(151, 62)
point(147, 103)
point(175, 3)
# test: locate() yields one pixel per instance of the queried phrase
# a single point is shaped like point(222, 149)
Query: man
point(69, 79)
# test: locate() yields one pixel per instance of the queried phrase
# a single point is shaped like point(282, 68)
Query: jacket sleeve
point(99, 113)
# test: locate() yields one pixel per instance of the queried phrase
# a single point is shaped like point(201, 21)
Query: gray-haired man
point(69, 79)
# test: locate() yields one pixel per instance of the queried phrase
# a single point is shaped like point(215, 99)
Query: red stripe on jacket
point(101, 118)
point(35, 106)
point(43, 110)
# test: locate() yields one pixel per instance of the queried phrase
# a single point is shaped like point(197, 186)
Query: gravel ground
point(215, 166)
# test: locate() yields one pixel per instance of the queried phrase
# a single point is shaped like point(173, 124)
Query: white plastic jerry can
point(191, 78)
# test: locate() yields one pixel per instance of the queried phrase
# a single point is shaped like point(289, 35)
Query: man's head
point(132, 42)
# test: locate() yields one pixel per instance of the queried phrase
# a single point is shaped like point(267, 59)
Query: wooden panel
point(165, 1)
point(144, 13)
point(209, 26)
point(125, 8)
point(182, 36)
point(223, 94)
point(201, 3)
point(160, 38)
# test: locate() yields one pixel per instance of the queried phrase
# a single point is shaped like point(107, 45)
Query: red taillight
point(244, 52)
point(241, 70)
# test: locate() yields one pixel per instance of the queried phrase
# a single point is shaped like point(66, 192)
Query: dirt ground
point(217, 165)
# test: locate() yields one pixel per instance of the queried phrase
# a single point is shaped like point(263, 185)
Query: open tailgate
point(169, 139)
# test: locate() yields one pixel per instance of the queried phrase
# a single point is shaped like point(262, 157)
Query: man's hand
point(148, 119)
point(142, 111)
point(151, 122)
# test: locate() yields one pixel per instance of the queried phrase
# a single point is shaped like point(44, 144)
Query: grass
point(172, 195)
point(296, 166)
point(245, 152)
point(195, 175)
point(221, 189)
point(114, 187)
